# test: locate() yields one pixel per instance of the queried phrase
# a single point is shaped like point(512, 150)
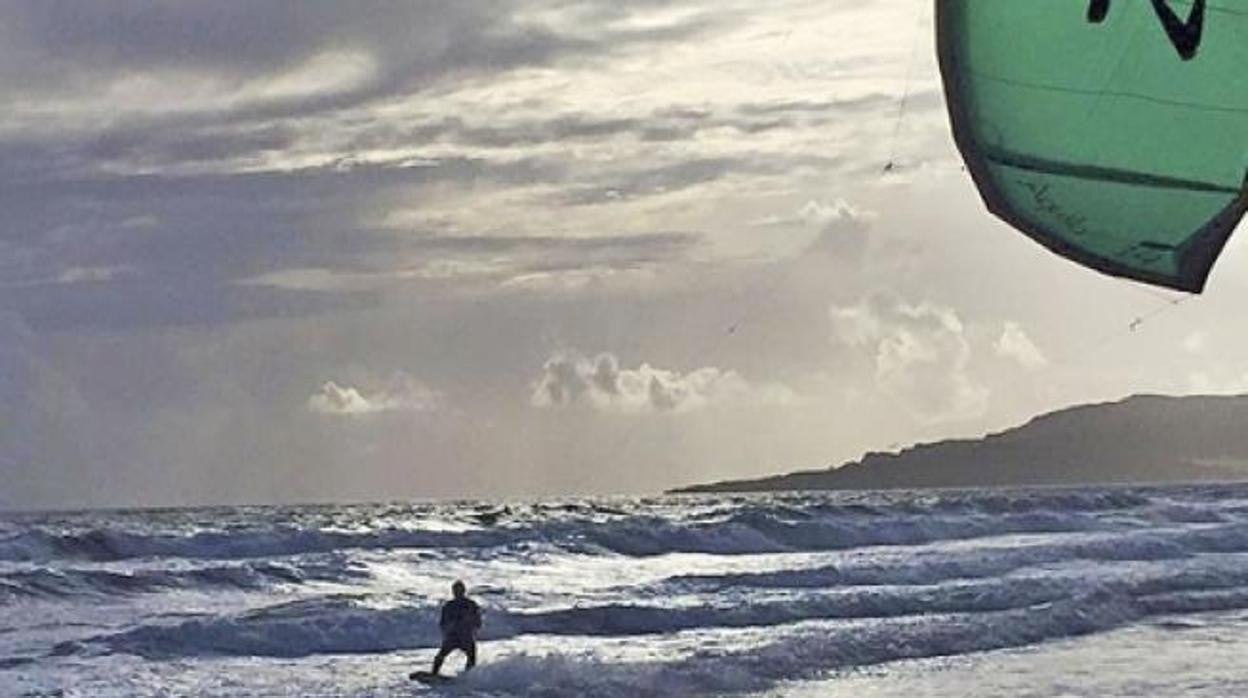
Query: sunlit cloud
point(1015, 344)
point(571, 379)
point(401, 393)
point(921, 355)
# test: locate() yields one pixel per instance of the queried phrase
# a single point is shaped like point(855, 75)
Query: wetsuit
point(461, 618)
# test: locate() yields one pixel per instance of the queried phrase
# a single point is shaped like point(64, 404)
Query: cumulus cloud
point(837, 213)
point(842, 229)
point(402, 393)
point(921, 355)
point(570, 379)
point(1015, 344)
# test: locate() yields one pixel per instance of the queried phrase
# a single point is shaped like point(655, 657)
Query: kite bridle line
point(891, 164)
point(1097, 344)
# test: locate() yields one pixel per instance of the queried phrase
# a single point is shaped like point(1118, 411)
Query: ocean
point(1097, 591)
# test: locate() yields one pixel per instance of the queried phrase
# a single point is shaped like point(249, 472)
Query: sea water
point(1044, 592)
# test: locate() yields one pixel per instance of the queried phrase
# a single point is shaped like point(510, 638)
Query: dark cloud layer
point(414, 42)
point(55, 49)
point(127, 304)
point(183, 198)
point(192, 234)
point(226, 224)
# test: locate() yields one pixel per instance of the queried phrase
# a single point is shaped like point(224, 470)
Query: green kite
point(1113, 132)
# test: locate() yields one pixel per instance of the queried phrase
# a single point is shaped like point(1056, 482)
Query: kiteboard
point(429, 678)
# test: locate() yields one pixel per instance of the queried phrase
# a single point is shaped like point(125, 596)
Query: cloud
point(837, 108)
point(621, 185)
point(835, 214)
point(132, 303)
point(253, 59)
point(77, 275)
point(275, 145)
point(1015, 344)
point(920, 352)
point(402, 393)
point(67, 69)
point(269, 140)
point(513, 261)
point(842, 229)
point(572, 379)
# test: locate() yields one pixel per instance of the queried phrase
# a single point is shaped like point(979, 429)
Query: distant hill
point(1144, 438)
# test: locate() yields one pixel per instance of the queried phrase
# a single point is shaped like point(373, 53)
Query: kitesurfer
point(460, 623)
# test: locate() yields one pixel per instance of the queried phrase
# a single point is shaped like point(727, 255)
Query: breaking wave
point(729, 594)
point(737, 526)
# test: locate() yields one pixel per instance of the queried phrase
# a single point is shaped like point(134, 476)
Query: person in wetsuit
point(461, 620)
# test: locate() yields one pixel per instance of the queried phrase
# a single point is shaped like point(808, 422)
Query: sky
point(295, 251)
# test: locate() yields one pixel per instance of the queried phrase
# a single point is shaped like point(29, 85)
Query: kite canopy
point(1113, 132)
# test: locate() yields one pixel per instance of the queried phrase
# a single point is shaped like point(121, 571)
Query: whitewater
point(1080, 591)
